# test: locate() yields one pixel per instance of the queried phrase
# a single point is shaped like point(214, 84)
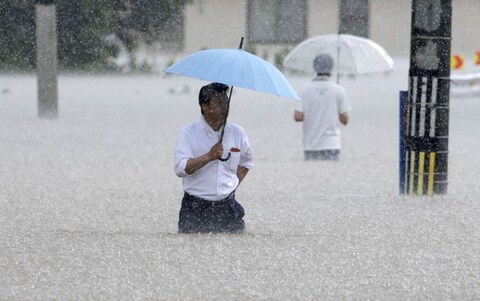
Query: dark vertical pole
point(403, 154)
point(428, 105)
point(46, 37)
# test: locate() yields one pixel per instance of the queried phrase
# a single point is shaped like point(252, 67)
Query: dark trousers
point(324, 155)
point(202, 216)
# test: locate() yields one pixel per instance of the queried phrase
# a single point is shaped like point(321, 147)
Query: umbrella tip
point(241, 43)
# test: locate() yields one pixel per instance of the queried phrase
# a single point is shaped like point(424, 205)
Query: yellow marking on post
point(412, 172)
point(421, 163)
point(431, 170)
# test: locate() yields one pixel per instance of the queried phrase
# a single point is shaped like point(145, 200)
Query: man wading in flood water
point(209, 204)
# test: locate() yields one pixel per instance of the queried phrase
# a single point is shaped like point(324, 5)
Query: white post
point(46, 34)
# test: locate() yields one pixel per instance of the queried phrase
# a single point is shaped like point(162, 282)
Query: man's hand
point(298, 116)
point(194, 164)
point(215, 152)
point(343, 117)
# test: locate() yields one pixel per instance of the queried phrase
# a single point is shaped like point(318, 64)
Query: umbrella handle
point(225, 159)
point(225, 125)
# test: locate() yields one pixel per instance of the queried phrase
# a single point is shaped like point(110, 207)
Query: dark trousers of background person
point(324, 155)
point(202, 216)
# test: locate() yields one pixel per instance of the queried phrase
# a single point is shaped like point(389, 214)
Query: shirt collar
point(320, 77)
point(207, 128)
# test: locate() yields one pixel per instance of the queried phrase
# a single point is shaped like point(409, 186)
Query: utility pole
point(427, 111)
point(46, 35)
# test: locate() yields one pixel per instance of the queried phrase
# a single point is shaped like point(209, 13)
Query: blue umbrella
point(235, 67)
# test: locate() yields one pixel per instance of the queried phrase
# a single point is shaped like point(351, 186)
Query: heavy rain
point(89, 200)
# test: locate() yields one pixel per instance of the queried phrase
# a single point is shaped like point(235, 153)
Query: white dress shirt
point(217, 179)
point(322, 102)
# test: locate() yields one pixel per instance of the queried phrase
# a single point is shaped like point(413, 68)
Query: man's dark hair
point(206, 92)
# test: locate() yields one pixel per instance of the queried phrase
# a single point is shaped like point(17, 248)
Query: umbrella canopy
point(352, 55)
point(235, 67)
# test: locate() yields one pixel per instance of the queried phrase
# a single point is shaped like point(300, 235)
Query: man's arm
point(298, 116)
point(195, 164)
point(241, 173)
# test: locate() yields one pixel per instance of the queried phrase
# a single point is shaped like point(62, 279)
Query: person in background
point(210, 181)
point(322, 109)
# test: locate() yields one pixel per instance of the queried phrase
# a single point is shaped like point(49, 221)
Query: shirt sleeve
point(183, 152)
point(246, 155)
point(299, 103)
point(343, 104)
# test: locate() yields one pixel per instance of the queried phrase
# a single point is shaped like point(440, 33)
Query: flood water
point(89, 202)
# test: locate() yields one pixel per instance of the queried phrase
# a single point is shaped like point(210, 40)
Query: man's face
point(217, 106)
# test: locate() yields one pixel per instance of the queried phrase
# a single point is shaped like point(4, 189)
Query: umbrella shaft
point(226, 116)
point(229, 98)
